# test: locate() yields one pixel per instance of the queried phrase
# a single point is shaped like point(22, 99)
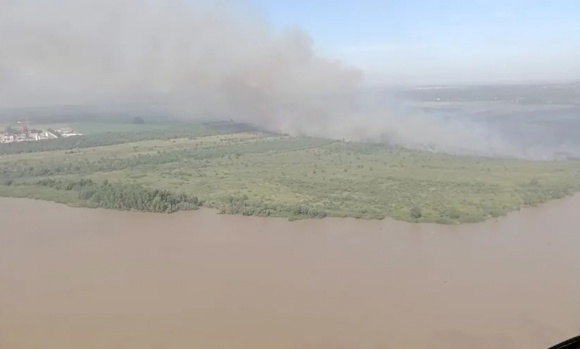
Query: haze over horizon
point(418, 42)
point(287, 66)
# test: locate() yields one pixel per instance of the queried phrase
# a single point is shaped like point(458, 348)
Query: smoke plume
point(203, 59)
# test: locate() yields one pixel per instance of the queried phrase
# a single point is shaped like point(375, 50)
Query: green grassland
point(244, 171)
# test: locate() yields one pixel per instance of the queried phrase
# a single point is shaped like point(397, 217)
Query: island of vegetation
point(168, 167)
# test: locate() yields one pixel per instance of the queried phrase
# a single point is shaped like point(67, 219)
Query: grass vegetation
point(238, 170)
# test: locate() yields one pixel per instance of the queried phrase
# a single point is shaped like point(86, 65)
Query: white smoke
point(202, 59)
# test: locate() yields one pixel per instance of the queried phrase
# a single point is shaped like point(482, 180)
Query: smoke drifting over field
point(205, 59)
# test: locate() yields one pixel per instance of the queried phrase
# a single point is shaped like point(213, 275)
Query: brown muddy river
point(75, 278)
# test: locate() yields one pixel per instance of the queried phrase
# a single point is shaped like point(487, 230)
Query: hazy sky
point(442, 40)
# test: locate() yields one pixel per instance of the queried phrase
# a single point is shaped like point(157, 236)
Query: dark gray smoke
point(206, 59)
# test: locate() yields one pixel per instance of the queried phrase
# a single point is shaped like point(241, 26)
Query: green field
point(242, 171)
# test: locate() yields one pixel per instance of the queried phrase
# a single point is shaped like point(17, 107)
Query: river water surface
point(75, 278)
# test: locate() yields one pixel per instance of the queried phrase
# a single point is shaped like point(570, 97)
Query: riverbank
point(71, 198)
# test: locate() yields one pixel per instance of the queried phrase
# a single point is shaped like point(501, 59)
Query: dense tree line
point(246, 207)
point(121, 196)
point(134, 197)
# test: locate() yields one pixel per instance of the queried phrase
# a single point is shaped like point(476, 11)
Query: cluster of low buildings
point(11, 135)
